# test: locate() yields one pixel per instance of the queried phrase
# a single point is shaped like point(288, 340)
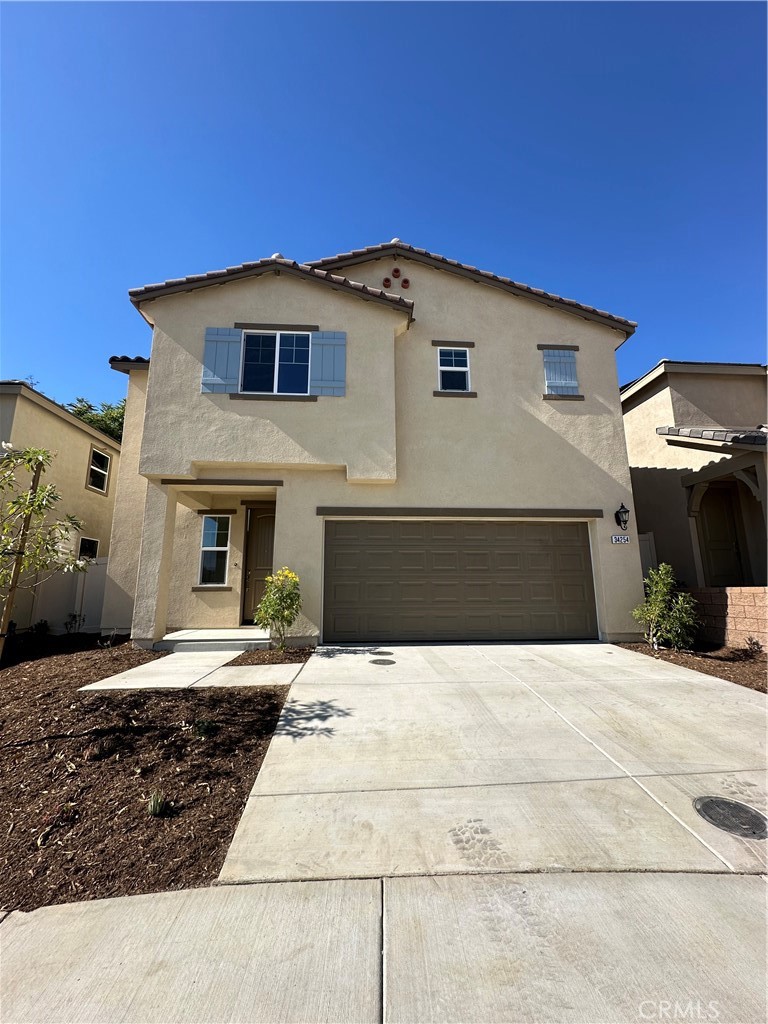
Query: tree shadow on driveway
point(300, 719)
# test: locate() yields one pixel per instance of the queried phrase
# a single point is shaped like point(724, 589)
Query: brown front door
point(259, 542)
point(719, 536)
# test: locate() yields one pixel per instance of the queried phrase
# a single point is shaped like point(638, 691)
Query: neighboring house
point(84, 471)
point(697, 452)
point(436, 450)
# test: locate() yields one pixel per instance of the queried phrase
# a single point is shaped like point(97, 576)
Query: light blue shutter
point(221, 360)
point(328, 363)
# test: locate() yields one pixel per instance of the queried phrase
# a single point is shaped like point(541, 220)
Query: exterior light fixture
point(622, 516)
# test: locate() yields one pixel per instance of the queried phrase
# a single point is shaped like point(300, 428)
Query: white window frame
point(98, 469)
point(214, 515)
point(278, 335)
point(455, 369)
point(549, 385)
point(80, 545)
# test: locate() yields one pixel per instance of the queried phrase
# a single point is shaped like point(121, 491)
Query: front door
point(259, 542)
point(719, 536)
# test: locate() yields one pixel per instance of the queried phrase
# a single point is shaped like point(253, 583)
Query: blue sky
point(612, 153)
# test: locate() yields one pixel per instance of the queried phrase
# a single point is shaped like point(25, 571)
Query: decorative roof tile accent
point(272, 265)
point(731, 435)
point(398, 248)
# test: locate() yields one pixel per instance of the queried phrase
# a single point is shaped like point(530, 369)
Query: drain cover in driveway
point(382, 661)
point(730, 815)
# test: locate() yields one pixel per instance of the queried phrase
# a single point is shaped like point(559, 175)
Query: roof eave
point(627, 328)
point(139, 296)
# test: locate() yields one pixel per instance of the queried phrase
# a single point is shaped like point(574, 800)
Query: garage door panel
point(457, 580)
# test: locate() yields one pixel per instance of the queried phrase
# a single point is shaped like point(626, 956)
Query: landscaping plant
point(667, 613)
point(33, 543)
point(280, 606)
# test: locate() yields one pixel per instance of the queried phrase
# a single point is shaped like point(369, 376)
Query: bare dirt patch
point(77, 770)
point(729, 663)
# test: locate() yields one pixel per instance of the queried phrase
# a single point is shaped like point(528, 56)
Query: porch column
point(153, 581)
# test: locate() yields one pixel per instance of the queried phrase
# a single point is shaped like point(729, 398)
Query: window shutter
point(221, 360)
point(328, 363)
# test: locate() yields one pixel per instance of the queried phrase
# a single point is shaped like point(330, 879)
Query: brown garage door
point(457, 580)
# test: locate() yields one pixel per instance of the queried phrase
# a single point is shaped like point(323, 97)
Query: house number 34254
point(619, 539)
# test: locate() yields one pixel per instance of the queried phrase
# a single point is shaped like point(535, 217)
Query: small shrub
point(40, 628)
point(280, 606)
point(157, 805)
point(74, 622)
point(204, 727)
point(752, 647)
point(668, 615)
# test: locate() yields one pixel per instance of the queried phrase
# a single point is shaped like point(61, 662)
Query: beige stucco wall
point(690, 398)
point(33, 423)
point(186, 429)
point(130, 491)
point(505, 448)
point(719, 399)
point(28, 419)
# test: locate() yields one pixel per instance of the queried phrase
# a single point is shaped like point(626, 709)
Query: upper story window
point(275, 363)
point(214, 554)
point(560, 371)
point(89, 548)
point(98, 471)
point(453, 369)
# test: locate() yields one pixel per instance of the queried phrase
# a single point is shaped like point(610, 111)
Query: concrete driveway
point(475, 834)
point(456, 759)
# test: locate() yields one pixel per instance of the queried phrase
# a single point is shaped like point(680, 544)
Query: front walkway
point(483, 834)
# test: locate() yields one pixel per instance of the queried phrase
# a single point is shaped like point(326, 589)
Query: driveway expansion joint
point(613, 760)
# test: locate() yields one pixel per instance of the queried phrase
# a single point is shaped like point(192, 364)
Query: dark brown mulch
point(729, 663)
point(290, 656)
point(77, 769)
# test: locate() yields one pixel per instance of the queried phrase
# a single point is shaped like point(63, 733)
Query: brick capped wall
point(731, 614)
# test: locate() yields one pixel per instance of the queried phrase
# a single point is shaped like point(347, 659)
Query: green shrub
point(279, 608)
point(668, 615)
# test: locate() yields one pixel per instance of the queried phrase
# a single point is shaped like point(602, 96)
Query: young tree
point(33, 544)
point(109, 418)
point(280, 606)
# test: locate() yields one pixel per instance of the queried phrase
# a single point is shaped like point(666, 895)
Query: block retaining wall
point(731, 614)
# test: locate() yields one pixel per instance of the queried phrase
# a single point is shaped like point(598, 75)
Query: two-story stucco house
point(84, 470)
point(436, 450)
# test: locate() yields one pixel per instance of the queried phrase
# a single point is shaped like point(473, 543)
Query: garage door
point(435, 580)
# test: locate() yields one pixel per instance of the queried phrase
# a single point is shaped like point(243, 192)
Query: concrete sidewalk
point(470, 949)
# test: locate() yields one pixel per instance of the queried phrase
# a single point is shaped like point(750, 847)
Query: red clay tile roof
point(398, 248)
point(272, 265)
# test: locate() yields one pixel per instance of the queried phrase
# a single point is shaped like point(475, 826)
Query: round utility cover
point(732, 816)
point(382, 661)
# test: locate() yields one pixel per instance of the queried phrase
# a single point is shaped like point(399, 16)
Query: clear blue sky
point(612, 153)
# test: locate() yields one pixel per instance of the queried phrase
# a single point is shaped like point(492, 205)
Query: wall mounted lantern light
point(622, 516)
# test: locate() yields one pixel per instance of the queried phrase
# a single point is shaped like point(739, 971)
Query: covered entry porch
point(207, 545)
point(726, 505)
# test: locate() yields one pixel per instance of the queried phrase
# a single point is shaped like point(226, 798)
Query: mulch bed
point(733, 664)
point(290, 656)
point(77, 771)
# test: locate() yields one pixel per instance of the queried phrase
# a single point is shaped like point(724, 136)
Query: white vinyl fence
point(78, 594)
